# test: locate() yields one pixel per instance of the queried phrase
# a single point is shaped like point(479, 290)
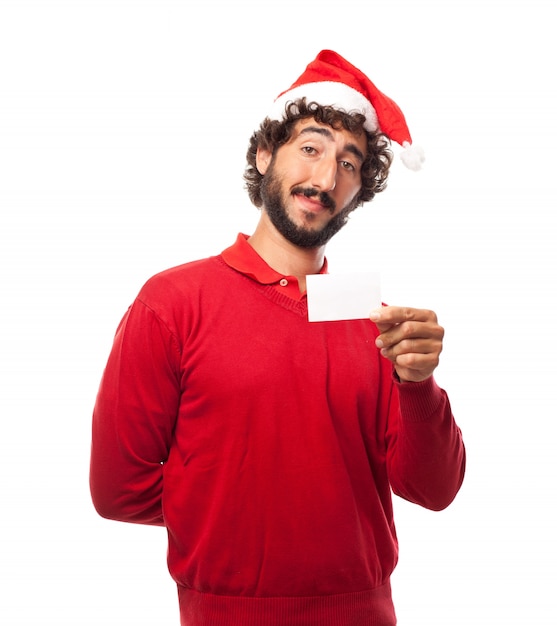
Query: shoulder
point(179, 279)
point(187, 291)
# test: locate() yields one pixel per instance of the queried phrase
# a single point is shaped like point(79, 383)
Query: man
point(268, 445)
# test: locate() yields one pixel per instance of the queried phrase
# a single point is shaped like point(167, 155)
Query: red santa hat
point(330, 80)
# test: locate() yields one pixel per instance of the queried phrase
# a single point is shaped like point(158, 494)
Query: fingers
point(397, 314)
point(413, 362)
point(411, 339)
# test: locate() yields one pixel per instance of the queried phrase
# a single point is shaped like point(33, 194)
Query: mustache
point(323, 196)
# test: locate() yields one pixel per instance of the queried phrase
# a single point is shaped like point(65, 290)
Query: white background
point(123, 129)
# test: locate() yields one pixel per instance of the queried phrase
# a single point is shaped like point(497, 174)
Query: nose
point(324, 176)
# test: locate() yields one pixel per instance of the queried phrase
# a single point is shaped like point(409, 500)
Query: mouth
point(310, 204)
point(314, 201)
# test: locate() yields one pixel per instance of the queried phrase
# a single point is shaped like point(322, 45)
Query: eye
point(347, 166)
point(309, 149)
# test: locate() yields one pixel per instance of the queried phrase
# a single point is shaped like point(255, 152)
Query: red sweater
point(267, 445)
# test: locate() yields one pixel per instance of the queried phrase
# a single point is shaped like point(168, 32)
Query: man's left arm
point(426, 456)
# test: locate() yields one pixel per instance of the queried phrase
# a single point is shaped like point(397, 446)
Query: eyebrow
point(325, 132)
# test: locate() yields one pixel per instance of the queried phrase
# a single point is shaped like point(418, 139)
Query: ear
point(262, 160)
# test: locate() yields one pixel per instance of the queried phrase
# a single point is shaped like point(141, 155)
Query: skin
point(325, 159)
point(411, 339)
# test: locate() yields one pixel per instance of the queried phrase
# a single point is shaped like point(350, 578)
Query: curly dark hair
point(274, 133)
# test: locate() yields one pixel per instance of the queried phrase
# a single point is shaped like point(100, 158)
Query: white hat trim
point(328, 93)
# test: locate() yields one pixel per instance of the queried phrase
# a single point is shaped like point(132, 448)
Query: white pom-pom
point(412, 156)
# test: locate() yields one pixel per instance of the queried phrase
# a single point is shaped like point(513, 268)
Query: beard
point(301, 236)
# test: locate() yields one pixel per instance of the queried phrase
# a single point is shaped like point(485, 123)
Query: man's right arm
point(133, 419)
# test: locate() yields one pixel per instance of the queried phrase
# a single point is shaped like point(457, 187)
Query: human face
point(311, 183)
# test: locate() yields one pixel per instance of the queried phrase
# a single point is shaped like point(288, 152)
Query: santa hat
point(331, 80)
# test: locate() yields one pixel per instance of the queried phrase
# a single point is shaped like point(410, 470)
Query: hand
point(411, 339)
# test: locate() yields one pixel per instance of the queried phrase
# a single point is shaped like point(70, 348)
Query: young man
point(268, 445)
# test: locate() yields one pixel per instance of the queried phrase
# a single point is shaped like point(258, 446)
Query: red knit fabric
point(267, 445)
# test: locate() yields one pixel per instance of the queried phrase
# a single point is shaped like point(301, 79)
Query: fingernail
point(375, 314)
point(379, 343)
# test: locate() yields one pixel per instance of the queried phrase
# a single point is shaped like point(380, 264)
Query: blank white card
point(342, 296)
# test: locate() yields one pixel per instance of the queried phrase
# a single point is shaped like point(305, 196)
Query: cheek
point(300, 175)
point(293, 172)
point(347, 192)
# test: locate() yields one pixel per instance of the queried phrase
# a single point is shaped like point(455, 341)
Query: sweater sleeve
point(426, 455)
point(133, 419)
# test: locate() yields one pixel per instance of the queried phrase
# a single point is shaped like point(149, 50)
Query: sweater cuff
point(420, 401)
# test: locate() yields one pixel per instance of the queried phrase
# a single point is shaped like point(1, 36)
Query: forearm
point(124, 486)
point(426, 465)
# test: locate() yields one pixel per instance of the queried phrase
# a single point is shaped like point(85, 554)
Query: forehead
point(342, 137)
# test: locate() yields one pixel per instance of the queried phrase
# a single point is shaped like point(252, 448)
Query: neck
point(283, 256)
